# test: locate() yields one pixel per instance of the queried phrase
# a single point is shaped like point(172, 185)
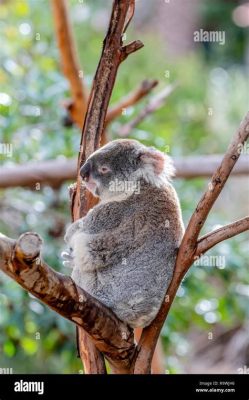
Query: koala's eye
point(103, 169)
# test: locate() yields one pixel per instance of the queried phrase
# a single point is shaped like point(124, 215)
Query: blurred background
point(207, 330)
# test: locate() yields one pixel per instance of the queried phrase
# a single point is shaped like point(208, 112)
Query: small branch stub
point(131, 48)
point(28, 247)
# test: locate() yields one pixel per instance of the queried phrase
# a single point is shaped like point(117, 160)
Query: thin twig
point(144, 88)
point(209, 240)
point(154, 104)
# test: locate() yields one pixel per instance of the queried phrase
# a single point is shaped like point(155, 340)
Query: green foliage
point(199, 118)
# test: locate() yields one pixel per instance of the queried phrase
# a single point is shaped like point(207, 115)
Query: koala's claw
point(67, 258)
point(67, 264)
point(66, 255)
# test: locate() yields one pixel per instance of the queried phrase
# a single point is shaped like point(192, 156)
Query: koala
point(123, 251)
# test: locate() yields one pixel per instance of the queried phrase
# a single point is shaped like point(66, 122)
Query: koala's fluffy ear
point(156, 161)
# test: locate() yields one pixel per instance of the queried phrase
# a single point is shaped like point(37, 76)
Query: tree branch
point(153, 104)
point(55, 172)
point(131, 99)
point(21, 261)
point(70, 63)
point(209, 240)
point(188, 247)
point(93, 360)
point(131, 48)
point(111, 57)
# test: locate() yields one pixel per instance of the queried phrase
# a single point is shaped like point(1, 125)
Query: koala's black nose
point(85, 171)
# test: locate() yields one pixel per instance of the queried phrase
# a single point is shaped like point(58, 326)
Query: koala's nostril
point(85, 171)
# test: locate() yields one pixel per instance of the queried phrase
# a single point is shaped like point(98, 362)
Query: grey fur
point(124, 249)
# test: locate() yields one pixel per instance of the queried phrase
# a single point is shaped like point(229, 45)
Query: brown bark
point(92, 358)
point(157, 364)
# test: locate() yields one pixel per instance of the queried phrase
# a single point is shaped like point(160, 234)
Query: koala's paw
point(67, 258)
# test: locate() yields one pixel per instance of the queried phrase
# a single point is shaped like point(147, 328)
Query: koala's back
point(134, 289)
point(135, 282)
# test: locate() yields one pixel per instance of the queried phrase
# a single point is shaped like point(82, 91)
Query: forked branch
point(189, 247)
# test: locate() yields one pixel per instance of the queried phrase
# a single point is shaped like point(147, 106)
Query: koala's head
point(116, 168)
